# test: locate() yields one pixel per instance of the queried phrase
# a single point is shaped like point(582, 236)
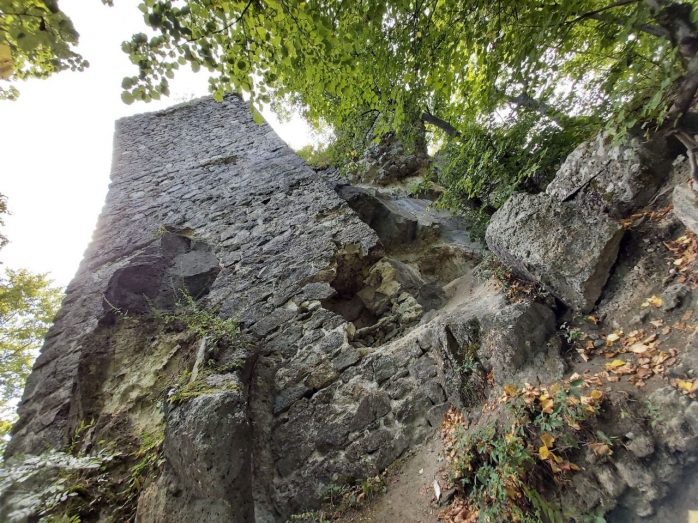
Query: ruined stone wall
point(335, 380)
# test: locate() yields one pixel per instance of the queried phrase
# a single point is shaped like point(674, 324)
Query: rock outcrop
point(686, 206)
point(278, 335)
point(612, 177)
point(567, 248)
point(338, 370)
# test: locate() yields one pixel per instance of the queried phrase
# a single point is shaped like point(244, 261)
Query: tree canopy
point(36, 40)
point(532, 76)
point(535, 76)
point(629, 60)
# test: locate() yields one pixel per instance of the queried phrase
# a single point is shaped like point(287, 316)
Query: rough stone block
point(610, 176)
point(686, 207)
point(567, 248)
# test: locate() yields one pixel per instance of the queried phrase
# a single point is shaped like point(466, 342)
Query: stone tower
point(338, 370)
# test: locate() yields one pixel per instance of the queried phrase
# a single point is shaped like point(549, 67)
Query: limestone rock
point(613, 177)
point(686, 207)
point(516, 345)
point(565, 247)
point(387, 162)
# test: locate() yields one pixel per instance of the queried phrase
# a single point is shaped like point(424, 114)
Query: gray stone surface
point(686, 207)
point(614, 177)
point(567, 248)
point(337, 380)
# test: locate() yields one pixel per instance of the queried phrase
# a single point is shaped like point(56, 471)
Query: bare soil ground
point(409, 496)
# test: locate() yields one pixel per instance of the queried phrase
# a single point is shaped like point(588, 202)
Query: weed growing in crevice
point(187, 389)
point(503, 470)
point(472, 376)
point(200, 322)
point(653, 415)
point(516, 290)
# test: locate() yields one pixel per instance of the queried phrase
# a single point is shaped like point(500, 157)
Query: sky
point(56, 141)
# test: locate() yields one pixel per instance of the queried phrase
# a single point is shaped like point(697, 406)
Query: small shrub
point(504, 468)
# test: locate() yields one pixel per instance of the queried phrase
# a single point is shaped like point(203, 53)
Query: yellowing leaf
point(510, 389)
point(615, 364)
point(548, 440)
point(685, 385)
point(7, 66)
point(546, 404)
point(653, 301)
point(611, 338)
point(600, 449)
point(543, 453)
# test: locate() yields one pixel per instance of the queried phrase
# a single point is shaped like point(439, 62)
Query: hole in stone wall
point(352, 269)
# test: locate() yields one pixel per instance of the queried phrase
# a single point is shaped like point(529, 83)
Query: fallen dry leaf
point(548, 440)
point(615, 364)
point(654, 301)
point(600, 449)
point(639, 348)
point(613, 337)
point(685, 385)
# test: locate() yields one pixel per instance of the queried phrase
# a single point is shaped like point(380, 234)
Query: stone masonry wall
point(347, 362)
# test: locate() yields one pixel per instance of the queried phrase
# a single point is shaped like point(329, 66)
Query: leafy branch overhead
point(443, 61)
point(36, 40)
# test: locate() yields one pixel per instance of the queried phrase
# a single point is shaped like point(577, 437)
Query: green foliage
point(488, 163)
point(200, 322)
point(36, 40)
point(459, 60)
point(653, 414)
point(200, 386)
point(310, 517)
point(316, 158)
point(341, 498)
point(149, 461)
point(78, 435)
point(28, 303)
point(43, 485)
point(3, 210)
point(502, 467)
point(58, 487)
point(571, 334)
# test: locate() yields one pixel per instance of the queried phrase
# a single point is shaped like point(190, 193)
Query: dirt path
point(410, 493)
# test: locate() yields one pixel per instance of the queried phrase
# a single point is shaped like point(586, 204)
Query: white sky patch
point(56, 141)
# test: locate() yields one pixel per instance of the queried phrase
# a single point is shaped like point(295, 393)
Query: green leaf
point(127, 98)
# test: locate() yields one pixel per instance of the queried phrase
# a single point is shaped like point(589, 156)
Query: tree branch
point(676, 19)
point(523, 100)
point(590, 14)
point(429, 118)
point(645, 28)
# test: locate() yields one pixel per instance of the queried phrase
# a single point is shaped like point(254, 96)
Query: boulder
point(686, 207)
point(569, 249)
point(518, 345)
point(614, 177)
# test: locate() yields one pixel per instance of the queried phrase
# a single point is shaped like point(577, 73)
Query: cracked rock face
point(566, 247)
point(615, 178)
point(337, 378)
